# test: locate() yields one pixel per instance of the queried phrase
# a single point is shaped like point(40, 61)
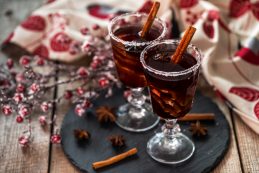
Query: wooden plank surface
point(12, 157)
point(59, 162)
point(248, 142)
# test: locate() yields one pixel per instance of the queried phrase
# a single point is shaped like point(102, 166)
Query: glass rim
point(134, 43)
point(172, 74)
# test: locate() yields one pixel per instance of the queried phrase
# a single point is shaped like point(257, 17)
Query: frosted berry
point(24, 111)
point(55, 139)
point(24, 141)
point(7, 110)
point(18, 97)
point(19, 77)
point(127, 93)
point(82, 71)
point(25, 60)
point(68, 95)
point(19, 119)
point(9, 63)
point(34, 88)
point(44, 107)
point(40, 62)
point(20, 88)
point(42, 120)
point(84, 31)
point(103, 82)
point(80, 91)
point(95, 27)
point(86, 104)
point(79, 110)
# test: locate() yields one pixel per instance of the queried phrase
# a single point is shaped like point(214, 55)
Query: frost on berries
point(55, 139)
point(33, 82)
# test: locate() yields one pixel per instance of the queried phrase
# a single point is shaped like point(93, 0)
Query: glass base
point(170, 150)
point(135, 119)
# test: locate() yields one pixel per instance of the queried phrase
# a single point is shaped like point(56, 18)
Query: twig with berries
point(32, 83)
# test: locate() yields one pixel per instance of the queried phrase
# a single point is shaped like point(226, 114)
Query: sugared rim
point(134, 43)
point(178, 73)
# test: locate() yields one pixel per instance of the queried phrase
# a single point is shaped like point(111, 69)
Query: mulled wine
point(171, 98)
point(125, 32)
point(127, 62)
point(172, 87)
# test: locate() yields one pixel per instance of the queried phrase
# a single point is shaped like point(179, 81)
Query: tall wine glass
point(124, 31)
point(172, 88)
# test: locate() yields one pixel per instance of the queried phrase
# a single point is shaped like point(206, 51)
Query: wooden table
point(243, 154)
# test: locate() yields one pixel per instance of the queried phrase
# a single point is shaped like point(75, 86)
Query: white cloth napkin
point(233, 71)
point(58, 28)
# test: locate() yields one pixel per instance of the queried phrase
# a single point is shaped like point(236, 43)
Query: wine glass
point(124, 30)
point(172, 88)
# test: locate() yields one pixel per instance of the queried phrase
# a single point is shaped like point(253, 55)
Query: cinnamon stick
point(183, 44)
point(150, 19)
point(198, 116)
point(112, 160)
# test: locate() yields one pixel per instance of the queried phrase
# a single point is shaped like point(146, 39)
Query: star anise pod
point(198, 130)
point(105, 114)
point(82, 134)
point(117, 140)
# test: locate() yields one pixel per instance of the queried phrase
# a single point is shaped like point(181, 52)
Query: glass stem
point(170, 128)
point(136, 100)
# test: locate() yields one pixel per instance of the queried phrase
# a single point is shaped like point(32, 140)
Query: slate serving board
point(209, 150)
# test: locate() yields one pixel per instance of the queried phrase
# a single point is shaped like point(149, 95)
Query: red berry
point(24, 111)
point(86, 104)
point(42, 120)
point(9, 63)
point(34, 88)
point(24, 60)
point(79, 110)
point(84, 31)
point(34, 23)
point(86, 47)
point(20, 88)
point(127, 93)
point(7, 110)
point(18, 97)
point(80, 91)
point(24, 141)
point(82, 71)
point(68, 95)
point(19, 119)
point(95, 27)
point(40, 62)
point(55, 139)
point(103, 82)
point(44, 106)
point(19, 77)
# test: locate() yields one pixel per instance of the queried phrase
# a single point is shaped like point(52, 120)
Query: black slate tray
point(209, 150)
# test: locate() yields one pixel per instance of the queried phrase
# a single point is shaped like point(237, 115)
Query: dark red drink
point(171, 95)
point(127, 62)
